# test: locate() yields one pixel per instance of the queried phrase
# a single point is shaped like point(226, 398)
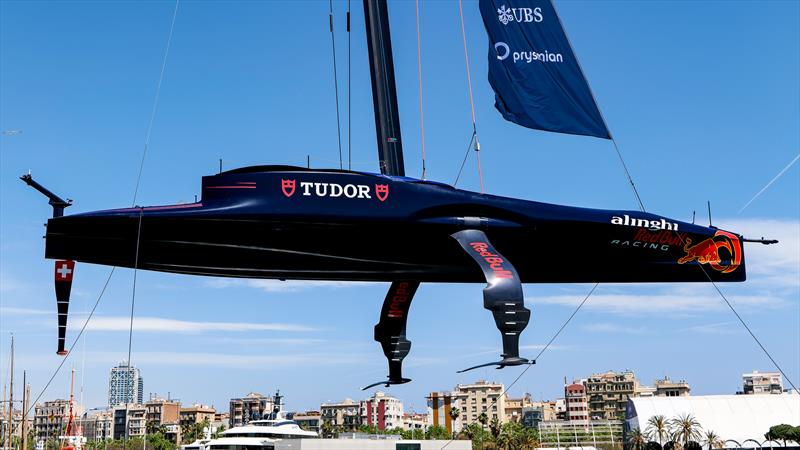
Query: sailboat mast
point(384, 90)
point(11, 398)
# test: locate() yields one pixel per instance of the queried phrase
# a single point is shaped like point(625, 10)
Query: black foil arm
point(391, 330)
point(503, 296)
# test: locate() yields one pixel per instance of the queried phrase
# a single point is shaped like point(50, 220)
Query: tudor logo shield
point(288, 187)
point(381, 191)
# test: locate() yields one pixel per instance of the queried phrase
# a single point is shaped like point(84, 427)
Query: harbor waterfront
point(607, 410)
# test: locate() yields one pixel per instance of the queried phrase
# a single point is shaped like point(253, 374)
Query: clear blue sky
point(703, 98)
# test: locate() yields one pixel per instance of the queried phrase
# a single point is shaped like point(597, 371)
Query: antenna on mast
point(709, 214)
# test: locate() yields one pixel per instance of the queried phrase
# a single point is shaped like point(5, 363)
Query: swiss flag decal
point(65, 268)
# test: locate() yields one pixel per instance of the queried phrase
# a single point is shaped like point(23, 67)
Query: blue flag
point(536, 78)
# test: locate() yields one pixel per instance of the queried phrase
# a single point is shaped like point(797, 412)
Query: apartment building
point(252, 406)
point(481, 397)
point(50, 418)
point(344, 416)
point(191, 415)
point(762, 383)
point(577, 404)
point(163, 412)
point(608, 394)
point(98, 426)
point(516, 406)
point(382, 411)
point(129, 420)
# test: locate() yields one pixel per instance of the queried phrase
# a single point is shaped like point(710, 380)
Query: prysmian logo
point(521, 15)
point(504, 52)
point(644, 223)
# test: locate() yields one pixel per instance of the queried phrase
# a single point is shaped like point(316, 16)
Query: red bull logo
point(398, 307)
point(495, 261)
point(723, 252)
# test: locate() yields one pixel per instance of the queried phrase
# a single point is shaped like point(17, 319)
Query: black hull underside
point(250, 247)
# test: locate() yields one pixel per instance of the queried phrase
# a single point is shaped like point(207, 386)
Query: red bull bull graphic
point(723, 252)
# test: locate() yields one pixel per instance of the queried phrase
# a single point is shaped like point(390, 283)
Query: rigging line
point(744, 324)
point(74, 343)
point(471, 101)
point(335, 82)
point(780, 174)
point(564, 325)
point(349, 95)
point(464, 161)
point(419, 76)
point(602, 116)
point(155, 102)
point(627, 173)
point(741, 320)
point(133, 291)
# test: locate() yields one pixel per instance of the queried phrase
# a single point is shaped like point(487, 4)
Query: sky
point(702, 97)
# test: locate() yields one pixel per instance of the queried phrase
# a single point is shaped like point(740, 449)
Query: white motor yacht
point(259, 434)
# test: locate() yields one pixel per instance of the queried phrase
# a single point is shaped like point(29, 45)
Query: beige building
point(163, 412)
point(413, 421)
point(308, 420)
point(608, 394)
point(344, 416)
point(762, 383)
point(221, 420)
point(382, 411)
point(253, 406)
point(98, 426)
point(50, 418)
point(664, 388)
point(196, 413)
point(130, 420)
point(475, 399)
point(515, 407)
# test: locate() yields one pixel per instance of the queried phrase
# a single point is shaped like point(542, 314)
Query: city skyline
point(693, 120)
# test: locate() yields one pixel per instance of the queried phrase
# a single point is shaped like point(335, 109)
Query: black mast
point(384, 92)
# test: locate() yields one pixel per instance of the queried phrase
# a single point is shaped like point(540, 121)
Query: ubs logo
point(521, 15)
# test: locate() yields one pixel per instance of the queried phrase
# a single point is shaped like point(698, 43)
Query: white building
point(735, 418)
point(382, 411)
point(762, 383)
point(125, 385)
point(415, 422)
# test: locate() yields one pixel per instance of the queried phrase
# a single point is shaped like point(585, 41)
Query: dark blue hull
point(294, 223)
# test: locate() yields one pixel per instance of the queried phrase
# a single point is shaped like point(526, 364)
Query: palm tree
point(712, 440)
point(685, 428)
point(657, 429)
point(454, 413)
point(483, 418)
point(636, 439)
